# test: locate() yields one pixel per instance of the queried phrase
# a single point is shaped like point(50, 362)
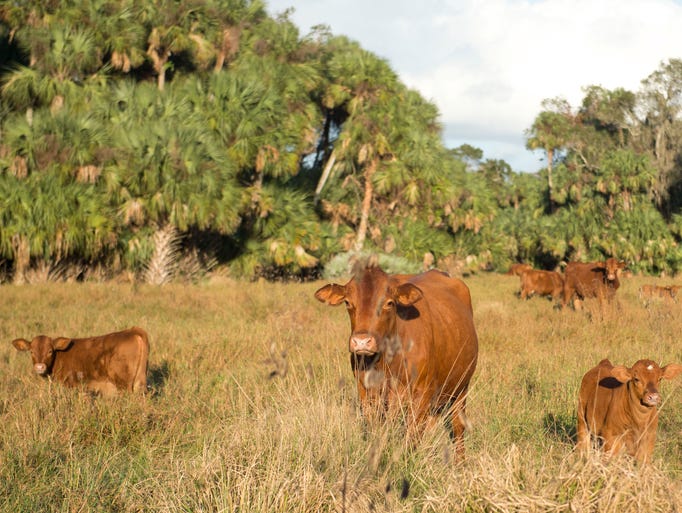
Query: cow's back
point(546, 283)
point(107, 362)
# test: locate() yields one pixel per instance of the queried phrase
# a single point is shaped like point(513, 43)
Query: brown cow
point(542, 283)
point(103, 364)
point(412, 342)
point(518, 269)
point(618, 406)
point(666, 292)
point(591, 279)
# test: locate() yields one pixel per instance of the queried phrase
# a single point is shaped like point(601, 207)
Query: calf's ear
point(621, 373)
point(61, 343)
point(331, 294)
point(671, 370)
point(408, 294)
point(21, 344)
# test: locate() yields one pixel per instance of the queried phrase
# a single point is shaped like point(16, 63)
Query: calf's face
point(372, 303)
point(612, 268)
point(42, 350)
point(644, 377)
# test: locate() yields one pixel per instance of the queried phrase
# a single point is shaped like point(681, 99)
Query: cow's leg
point(104, 388)
point(460, 423)
point(583, 433)
point(612, 446)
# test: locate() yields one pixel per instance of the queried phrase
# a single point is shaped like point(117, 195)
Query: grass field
point(253, 408)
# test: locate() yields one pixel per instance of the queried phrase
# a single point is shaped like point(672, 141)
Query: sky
point(489, 64)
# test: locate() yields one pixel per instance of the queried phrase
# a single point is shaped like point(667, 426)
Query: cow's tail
point(140, 378)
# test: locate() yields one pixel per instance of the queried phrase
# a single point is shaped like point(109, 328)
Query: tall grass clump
point(252, 408)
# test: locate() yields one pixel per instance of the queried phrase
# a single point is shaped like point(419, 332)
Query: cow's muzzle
point(40, 368)
point(651, 399)
point(363, 344)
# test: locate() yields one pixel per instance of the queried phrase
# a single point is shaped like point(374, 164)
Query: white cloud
point(488, 64)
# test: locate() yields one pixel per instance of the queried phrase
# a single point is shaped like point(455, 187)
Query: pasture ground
point(253, 408)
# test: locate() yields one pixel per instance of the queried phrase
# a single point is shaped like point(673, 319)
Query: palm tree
point(168, 26)
point(66, 58)
point(365, 85)
point(550, 131)
point(50, 219)
point(222, 25)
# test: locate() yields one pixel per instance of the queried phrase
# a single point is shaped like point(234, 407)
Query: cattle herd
point(413, 347)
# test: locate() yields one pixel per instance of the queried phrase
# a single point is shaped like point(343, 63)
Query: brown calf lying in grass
point(103, 364)
point(618, 406)
point(666, 292)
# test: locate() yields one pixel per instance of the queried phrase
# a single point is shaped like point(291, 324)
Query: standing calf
point(542, 283)
point(618, 406)
point(103, 364)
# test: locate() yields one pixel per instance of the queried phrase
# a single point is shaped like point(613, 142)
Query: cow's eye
point(389, 304)
point(348, 305)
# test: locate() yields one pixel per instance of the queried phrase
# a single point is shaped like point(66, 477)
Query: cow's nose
point(40, 368)
point(362, 343)
point(652, 398)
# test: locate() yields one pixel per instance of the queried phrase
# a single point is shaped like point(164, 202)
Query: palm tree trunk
point(22, 258)
point(325, 175)
point(550, 185)
point(159, 57)
point(366, 205)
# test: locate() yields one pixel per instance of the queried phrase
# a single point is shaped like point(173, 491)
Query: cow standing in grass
point(591, 280)
point(413, 344)
point(518, 269)
point(542, 283)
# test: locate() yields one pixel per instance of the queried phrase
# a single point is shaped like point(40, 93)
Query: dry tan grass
point(253, 408)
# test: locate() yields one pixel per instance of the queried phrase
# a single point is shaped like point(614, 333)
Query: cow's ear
point(621, 373)
point(61, 343)
point(331, 294)
point(21, 344)
point(671, 370)
point(408, 294)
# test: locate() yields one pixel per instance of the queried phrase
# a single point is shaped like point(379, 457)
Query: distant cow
point(412, 343)
point(518, 269)
point(591, 280)
point(542, 283)
point(103, 364)
point(666, 292)
point(618, 406)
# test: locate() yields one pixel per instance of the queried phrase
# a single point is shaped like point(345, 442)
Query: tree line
point(166, 138)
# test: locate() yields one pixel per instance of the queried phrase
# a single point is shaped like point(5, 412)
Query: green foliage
point(230, 127)
point(341, 265)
